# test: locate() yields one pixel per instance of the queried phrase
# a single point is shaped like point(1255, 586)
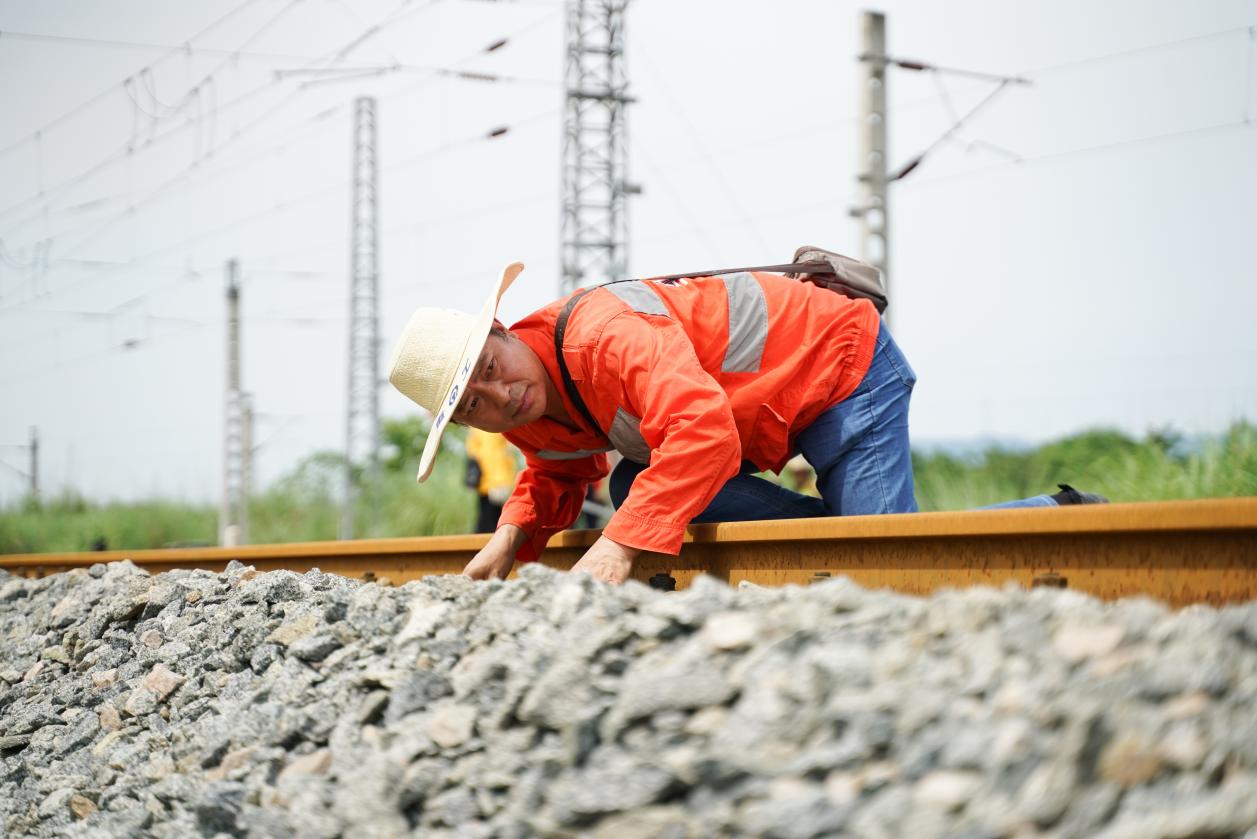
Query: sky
point(1079, 254)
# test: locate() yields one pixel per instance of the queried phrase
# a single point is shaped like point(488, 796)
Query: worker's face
point(507, 389)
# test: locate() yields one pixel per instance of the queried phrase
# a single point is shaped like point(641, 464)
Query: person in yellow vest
point(491, 473)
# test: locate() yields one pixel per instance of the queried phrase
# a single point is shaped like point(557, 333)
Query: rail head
point(1206, 515)
point(1203, 515)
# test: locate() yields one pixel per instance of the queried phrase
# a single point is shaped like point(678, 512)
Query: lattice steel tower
point(363, 420)
point(594, 229)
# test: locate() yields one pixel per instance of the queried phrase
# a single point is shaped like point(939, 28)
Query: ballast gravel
point(275, 704)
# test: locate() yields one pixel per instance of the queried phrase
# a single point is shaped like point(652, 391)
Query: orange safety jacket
point(691, 377)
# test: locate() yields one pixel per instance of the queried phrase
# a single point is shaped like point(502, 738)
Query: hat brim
point(476, 339)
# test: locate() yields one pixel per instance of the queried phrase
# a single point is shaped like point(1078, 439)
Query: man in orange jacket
point(697, 382)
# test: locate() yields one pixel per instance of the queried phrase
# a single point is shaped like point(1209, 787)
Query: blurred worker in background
point(491, 473)
point(699, 382)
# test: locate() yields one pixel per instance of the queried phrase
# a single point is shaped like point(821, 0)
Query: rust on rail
point(1181, 552)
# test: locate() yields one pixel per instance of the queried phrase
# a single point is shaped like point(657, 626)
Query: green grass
point(304, 506)
point(1103, 461)
point(68, 523)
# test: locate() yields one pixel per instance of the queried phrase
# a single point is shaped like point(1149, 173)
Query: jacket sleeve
point(548, 498)
point(686, 420)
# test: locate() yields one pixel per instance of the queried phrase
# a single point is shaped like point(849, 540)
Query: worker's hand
point(497, 557)
point(608, 561)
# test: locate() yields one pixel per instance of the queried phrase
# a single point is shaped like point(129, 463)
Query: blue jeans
point(859, 449)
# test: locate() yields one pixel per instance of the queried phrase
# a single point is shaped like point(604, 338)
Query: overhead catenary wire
point(1099, 148)
point(173, 50)
point(11, 261)
point(422, 224)
point(96, 355)
point(193, 92)
point(271, 317)
point(448, 72)
point(189, 171)
point(182, 49)
point(117, 265)
point(702, 230)
point(956, 119)
point(264, 117)
point(130, 147)
point(1122, 55)
point(197, 168)
point(20, 472)
point(922, 66)
point(1026, 76)
point(899, 107)
point(306, 198)
point(919, 158)
point(349, 10)
point(194, 168)
point(445, 72)
point(695, 138)
point(1013, 157)
point(191, 271)
point(288, 204)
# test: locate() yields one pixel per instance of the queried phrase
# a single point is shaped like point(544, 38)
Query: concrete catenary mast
point(34, 473)
point(594, 224)
point(362, 425)
point(233, 513)
point(873, 208)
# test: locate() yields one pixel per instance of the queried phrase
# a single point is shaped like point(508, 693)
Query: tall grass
point(69, 523)
point(305, 505)
point(1103, 461)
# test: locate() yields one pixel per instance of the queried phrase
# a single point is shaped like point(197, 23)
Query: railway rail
point(1180, 552)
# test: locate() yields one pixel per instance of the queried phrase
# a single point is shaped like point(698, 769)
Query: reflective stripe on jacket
point(691, 377)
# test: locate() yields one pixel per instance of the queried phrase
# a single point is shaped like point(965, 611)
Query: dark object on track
point(663, 581)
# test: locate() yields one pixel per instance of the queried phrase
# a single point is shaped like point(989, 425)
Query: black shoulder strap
point(560, 328)
point(790, 268)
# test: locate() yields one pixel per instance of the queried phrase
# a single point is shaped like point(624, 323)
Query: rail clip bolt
point(663, 581)
point(1049, 580)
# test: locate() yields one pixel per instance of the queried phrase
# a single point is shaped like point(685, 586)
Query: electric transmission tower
point(594, 227)
point(363, 420)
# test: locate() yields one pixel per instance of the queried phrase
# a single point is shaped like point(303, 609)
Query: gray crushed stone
point(274, 704)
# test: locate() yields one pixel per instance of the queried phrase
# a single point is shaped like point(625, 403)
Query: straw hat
point(436, 355)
